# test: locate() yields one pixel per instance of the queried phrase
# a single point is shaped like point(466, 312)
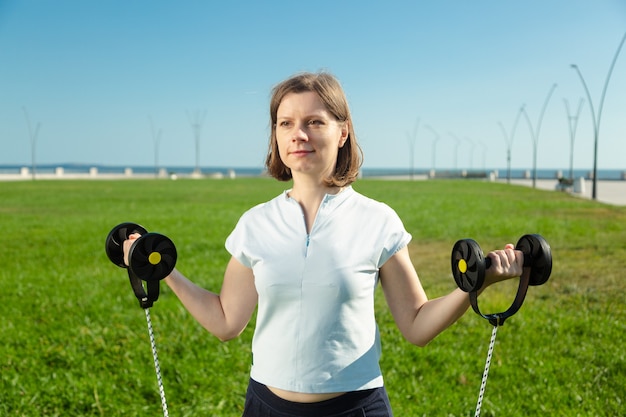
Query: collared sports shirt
point(315, 328)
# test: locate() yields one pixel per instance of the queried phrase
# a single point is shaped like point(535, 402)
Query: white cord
point(157, 367)
point(486, 372)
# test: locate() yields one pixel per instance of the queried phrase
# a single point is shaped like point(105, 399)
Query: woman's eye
point(315, 122)
point(284, 123)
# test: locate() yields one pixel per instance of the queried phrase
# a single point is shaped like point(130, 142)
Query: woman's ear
point(345, 132)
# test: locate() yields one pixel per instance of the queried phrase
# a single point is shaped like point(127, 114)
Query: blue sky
point(94, 74)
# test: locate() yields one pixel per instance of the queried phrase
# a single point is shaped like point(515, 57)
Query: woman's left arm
point(419, 319)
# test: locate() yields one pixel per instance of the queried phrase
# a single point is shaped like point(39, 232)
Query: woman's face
point(308, 136)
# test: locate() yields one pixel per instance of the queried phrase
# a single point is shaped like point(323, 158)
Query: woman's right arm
point(225, 315)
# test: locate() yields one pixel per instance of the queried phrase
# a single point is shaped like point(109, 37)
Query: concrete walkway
point(610, 192)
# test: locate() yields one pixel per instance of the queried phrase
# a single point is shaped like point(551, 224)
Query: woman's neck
point(309, 194)
point(307, 191)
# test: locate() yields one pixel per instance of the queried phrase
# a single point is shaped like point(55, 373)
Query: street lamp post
point(572, 123)
point(596, 122)
point(196, 125)
point(434, 146)
point(456, 149)
point(471, 154)
point(33, 143)
point(508, 153)
point(484, 154)
point(412, 139)
point(156, 138)
point(509, 142)
point(535, 133)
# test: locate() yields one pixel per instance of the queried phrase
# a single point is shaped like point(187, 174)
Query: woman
point(311, 259)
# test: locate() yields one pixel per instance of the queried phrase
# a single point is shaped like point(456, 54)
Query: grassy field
point(75, 343)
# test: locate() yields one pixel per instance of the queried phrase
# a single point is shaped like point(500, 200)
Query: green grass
point(74, 340)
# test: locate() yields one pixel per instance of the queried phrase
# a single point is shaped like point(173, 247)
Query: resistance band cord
point(486, 371)
point(157, 367)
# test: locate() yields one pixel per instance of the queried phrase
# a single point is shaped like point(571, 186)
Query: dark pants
point(261, 402)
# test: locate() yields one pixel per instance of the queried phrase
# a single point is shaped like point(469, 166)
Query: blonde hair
point(327, 87)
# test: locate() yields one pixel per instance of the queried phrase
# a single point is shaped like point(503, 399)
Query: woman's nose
point(299, 133)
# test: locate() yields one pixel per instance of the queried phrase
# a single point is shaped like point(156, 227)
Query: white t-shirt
point(315, 329)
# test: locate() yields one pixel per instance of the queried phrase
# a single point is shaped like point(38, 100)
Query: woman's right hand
point(128, 243)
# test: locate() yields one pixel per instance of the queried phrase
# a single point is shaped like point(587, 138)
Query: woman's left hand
point(505, 264)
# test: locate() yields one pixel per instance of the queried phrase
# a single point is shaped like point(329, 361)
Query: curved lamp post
point(596, 122)
point(484, 154)
point(156, 138)
point(437, 137)
point(196, 125)
point(33, 142)
point(509, 143)
point(412, 138)
point(572, 123)
point(471, 153)
point(456, 150)
point(535, 133)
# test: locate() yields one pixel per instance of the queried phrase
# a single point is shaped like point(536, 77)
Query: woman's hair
point(326, 86)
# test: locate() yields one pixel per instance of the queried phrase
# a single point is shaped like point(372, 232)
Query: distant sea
point(550, 173)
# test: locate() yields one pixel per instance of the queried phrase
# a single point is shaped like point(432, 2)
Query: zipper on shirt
point(306, 249)
point(308, 235)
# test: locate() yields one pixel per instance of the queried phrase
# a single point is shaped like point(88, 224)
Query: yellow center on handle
point(154, 258)
point(462, 266)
